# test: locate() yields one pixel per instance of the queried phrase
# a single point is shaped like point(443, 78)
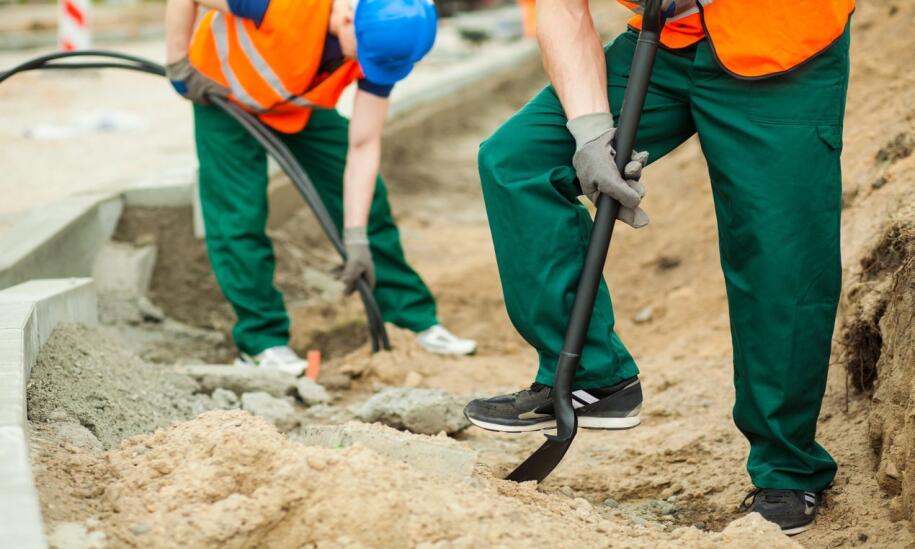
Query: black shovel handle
point(547, 457)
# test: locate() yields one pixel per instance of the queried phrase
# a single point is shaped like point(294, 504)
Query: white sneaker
point(439, 340)
point(281, 359)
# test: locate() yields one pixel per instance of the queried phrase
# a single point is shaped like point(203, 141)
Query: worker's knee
point(495, 158)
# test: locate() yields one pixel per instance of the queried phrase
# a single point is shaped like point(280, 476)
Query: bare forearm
point(573, 55)
point(363, 157)
point(179, 24)
point(362, 163)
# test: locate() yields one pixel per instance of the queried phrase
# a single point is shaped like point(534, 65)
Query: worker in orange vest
point(288, 61)
point(763, 83)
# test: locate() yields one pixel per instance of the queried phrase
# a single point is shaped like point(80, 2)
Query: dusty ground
point(674, 481)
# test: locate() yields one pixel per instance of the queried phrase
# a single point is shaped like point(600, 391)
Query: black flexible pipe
point(274, 147)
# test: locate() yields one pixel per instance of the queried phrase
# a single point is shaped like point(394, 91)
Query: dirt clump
point(86, 377)
point(227, 479)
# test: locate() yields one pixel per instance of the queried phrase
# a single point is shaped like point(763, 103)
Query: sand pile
point(228, 479)
point(83, 376)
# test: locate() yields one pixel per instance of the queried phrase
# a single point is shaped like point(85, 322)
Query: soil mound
point(227, 479)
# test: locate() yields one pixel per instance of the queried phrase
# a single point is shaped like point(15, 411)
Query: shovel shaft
point(602, 231)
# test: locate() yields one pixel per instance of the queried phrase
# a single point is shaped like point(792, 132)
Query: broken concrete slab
point(240, 380)
point(424, 411)
point(278, 411)
point(439, 456)
point(311, 393)
point(124, 269)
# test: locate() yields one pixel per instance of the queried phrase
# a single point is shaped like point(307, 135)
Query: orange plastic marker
point(314, 364)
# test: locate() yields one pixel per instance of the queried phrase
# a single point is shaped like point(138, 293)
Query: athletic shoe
point(439, 340)
point(613, 407)
point(792, 510)
point(280, 359)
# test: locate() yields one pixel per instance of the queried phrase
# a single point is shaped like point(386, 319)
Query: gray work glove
point(358, 259)
point(192, 84)
point(596, 168)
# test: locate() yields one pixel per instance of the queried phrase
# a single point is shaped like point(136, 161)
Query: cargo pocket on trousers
point(831, 135)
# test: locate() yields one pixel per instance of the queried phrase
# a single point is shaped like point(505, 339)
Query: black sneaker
point(793, 510)
point(613, 407)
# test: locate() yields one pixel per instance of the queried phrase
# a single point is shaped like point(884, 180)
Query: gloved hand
point(358, 259)
point(596, 168)
point(190, 83)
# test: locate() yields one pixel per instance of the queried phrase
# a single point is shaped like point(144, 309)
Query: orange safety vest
point(757, 38)
point(271, 70)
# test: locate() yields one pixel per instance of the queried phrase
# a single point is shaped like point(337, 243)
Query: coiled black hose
point(274, 147)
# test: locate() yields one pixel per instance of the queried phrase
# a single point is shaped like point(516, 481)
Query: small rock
point(224, 399)
point(611, 503)
point(58, 414)
point(567, 491)
point(862, 537)
point(148, 311)
point(311, 393)
point(278, 411)
point(139, 529)
point(336, 381)
point(413, 379)
point(700, 525)
point(891, 470)
point(424, 411)
point(644, 315)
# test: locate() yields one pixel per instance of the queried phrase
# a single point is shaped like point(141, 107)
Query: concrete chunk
point(311, 393)
point(278, 411)
point(124, 269)
point(439, 456)
point(240, 380)
point(424, 411)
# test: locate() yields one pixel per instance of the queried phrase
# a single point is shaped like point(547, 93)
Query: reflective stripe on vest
point(221, 39)
point(264, 70)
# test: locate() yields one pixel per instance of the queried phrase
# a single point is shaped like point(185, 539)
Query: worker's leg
point(773, 149)
point(539, 227)
point(233, 197)
point(401, 294)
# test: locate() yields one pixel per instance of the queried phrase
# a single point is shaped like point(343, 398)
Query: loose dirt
point(227, 479)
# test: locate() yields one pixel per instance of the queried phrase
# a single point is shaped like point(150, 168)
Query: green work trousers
point(233, 197)
point(773, 149)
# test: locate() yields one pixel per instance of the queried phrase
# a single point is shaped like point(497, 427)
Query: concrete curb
point(28, 314)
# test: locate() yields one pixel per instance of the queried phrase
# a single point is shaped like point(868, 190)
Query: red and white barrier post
point(73, 25)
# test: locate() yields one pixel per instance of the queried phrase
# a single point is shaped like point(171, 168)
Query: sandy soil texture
point(227, 479)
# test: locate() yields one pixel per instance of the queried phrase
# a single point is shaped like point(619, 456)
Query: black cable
point(274, 147)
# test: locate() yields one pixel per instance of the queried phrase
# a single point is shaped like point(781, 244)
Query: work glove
point(358, 259)
point(596, 168)
point(191, 83)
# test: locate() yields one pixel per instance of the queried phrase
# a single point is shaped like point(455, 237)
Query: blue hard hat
point(392, 35)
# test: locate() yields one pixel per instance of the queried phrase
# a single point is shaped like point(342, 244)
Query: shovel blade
point(542, 462)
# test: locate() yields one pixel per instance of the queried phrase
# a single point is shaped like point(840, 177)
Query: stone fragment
point(240, 380)
point(311, 393)
point(278, 411)
point(424, 411)
point(224, 399)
